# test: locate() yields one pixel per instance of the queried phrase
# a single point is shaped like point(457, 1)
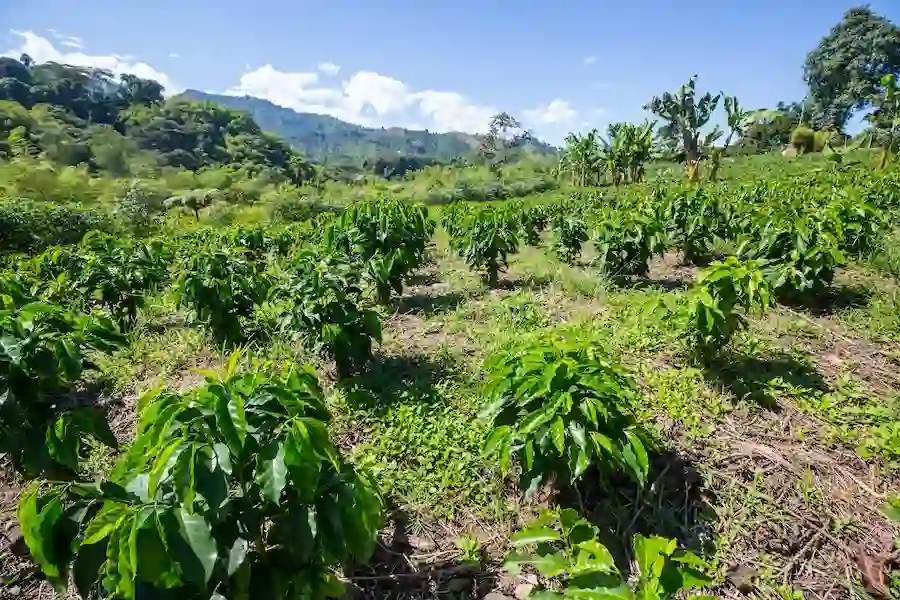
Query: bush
point(29, 226)
point(232, 490)
point(222, 287)
point(803, 140)
point(295, 210)
point(625, 240)
point(319, 301)
point(723, 291)
point(44, 350)
point(566, 548)
point(559, 408)
point(484, 236)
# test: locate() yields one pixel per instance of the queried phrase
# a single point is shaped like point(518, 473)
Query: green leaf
point(494, 439)
point(104, 523)
point(622, 592)
point(651, 554)
point(37, 525)
point(558, 434)
point(197, 533)
point(535, 534)
point(237, 555)
point(551, 564)
point(635, 456)
point(273, 475)
point(593, 558)
point(231, 420)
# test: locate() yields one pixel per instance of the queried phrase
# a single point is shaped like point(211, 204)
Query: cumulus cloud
point(42, 50)
point(174, 55)
point(329, 68)
point(367, 98)
point(589, 60)
point(558, 111)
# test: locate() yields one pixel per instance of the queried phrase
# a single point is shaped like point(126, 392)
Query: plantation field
point(738, 342)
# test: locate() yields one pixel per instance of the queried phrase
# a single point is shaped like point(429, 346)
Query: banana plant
point(737, 123)
point(686, 115)
point(581, 158)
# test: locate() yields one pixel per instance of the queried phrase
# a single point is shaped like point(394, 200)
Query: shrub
point(138, 208)
point(387, 237)
point(559, 408)
point(43, 351)
point(484, 237)
point(569, 233)
point(567, 549)
point(319, 300)
point(713, 314)
point(803, 140)
point(230, 490)
point(295, 210)
point(28, 226)
point(221, 287)
point(700, 220)
point(625, 240)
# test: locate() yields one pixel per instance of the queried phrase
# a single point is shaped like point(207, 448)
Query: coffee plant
point(221, 288)
point(559, 407)
point(388, 237)
point(699, 220)
point(318, 299)
point(232, 490)
point(625, 241)
point(44, 350)
point(717, 302)
point(569, 233)
point(485, 237)
point(564, 548)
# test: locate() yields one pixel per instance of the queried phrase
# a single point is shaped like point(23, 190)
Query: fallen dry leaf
point(874, 573)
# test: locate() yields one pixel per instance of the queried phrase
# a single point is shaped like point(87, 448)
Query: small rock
point(523, 590)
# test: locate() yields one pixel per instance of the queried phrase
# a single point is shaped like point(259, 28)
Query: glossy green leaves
point(562, 545)
point(559, 408)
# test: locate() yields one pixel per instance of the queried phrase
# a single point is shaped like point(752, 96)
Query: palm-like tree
point(581, 158)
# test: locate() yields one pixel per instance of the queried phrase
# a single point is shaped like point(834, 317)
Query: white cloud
point(73, 42)
point(558, 111)
point(451, 111)
point(329, 68)
point(589, 60)
point(366, 98)
point(174, 55)
point(42, 50)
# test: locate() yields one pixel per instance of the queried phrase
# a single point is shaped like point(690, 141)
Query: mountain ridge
point(324, 137)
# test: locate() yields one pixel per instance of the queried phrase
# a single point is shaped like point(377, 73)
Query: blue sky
point(558, 65)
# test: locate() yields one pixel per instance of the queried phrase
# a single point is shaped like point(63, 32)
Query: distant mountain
point(322, 136)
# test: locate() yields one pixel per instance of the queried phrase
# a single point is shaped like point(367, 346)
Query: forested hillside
point(322, 137)
point(85, 116)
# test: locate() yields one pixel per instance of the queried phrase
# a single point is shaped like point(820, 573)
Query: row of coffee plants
point(803, 228)
point(232, 490)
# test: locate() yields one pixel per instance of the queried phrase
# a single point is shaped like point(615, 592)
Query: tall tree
point(505, 133)
point(844, 72)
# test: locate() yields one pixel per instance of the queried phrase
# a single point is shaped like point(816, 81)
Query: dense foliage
point(43, 351)
point(566, 548)
point(483, 236)
point(232, 490)
point(560, 407)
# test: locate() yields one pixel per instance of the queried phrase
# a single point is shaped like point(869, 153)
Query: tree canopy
point(844, 71)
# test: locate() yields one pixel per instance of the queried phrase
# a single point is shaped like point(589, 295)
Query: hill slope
point(321, 136)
